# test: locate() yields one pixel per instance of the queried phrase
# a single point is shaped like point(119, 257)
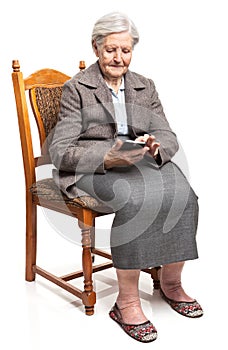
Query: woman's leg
point(128, 299)
point(170, 280)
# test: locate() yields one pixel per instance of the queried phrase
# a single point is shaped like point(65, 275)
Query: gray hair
point(114, 22)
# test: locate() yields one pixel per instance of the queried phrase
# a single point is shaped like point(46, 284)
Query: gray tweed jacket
point(87, 129)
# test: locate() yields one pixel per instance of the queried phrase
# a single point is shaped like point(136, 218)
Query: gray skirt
point(156, 214)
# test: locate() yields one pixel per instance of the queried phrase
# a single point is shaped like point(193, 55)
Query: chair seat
point(46, 189)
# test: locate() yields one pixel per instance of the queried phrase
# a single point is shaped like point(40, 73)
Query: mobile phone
point(130, 145)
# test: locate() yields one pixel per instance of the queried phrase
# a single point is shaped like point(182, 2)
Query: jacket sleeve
point(68, 150)
point(160, 128)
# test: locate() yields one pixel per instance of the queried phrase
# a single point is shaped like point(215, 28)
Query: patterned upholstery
point(47, 189)
point(48, 103)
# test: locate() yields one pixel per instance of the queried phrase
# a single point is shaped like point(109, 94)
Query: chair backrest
point(40, 92)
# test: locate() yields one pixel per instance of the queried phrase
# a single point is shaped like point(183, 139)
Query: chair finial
point(16, 66)
point(82, 65)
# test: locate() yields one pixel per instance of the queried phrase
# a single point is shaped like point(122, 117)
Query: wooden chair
point(40, 92)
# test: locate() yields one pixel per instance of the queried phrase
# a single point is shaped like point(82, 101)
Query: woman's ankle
point(170, 282)
point(131, 311)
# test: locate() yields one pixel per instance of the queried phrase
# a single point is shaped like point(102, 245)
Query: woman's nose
point(118, 56)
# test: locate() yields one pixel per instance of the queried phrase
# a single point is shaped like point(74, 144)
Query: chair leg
point(88, 295)
point(31, 238)
point(155, 277)
point(92, 235)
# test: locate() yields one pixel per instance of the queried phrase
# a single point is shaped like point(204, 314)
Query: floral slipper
point(144, 332)
point(186, 308)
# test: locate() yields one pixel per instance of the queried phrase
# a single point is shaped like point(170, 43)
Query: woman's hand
point(151, 143)
point(115, 157)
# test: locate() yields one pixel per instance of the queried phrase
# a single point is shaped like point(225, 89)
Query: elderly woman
point(156, 210)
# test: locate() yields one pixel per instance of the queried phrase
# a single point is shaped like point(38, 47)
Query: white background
point(183, 48)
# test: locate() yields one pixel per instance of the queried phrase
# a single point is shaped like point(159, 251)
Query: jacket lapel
point(93, 78)
point(132, 84)
point(103, 95)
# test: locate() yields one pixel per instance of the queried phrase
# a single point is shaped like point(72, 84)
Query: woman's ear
point(95, 49)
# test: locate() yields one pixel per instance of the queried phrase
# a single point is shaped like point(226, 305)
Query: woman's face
point(115, 55)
